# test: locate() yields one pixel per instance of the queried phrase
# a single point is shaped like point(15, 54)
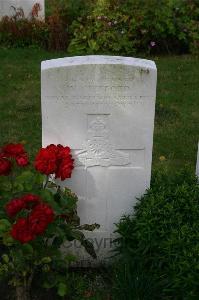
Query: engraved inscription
point(73, 100)
point(98, 149)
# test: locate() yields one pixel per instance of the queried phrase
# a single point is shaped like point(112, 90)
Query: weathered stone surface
point(103, 108)
point(9, 7)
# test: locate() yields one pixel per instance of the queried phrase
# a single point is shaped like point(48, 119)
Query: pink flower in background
point(152, 44)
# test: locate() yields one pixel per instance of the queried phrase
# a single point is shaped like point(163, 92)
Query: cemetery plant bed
point(104, 27)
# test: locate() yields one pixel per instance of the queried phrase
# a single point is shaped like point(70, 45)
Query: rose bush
point(37, 217)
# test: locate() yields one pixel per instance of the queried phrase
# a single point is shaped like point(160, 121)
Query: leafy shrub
point(149, 26)
point(104, 31)
point(108, 26)
point(70, 9)
point(161, 241)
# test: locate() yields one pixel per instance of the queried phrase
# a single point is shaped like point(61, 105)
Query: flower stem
point(47, 179)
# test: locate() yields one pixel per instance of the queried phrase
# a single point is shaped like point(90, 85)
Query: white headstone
point(103, 108)
point(9, 7)
point(197, 163)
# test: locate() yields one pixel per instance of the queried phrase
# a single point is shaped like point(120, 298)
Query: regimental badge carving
point(98, 149)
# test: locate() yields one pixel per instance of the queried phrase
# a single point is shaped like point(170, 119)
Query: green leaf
point(48, 197)
point(62, 289)
point(89, 248)
point(78, 235)
point(18, 187)
point(5, 226)
point(89, 227)
point(28, 186)
point(5, 184)
point(93, 45)
point(39, 178)
point(8, 240)
point(27, 249)
point(46, 260)
point(5, 258)
point(26, 176)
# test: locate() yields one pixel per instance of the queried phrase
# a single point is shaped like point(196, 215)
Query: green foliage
point(126, 27)
point(109, 26)
point(161, 239)
point(104, 31)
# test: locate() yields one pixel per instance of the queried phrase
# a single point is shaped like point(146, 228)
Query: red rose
point(65, 168)
point(55, 160)
point(45, 161)
point(5, 166)
point(52, 148)
point(65, 163)
point(13, 150)
point(1, 153)
point(22, 232)
point(14, 206)
point(16, 151)
point(40, 217)
point(63, 152)
point(22, 160)
point(30, 199)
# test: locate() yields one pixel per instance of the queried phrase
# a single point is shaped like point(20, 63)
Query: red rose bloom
point(40, 217)
point(21, 231)
point(63, 152)
point(45, 161)
point(52, 148)
point(30, 199)
point(55, 160)
point(65, 168)
point(13, 150)
point(22, 160)
point(5, 166)
point(14, 206)
point(65, 163)
point(16, 151)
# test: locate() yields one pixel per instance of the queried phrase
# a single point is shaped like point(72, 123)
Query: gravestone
point(10, 7)
point(197, 163)
point(103, 108)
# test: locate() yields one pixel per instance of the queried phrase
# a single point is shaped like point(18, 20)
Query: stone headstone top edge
point(97, 60)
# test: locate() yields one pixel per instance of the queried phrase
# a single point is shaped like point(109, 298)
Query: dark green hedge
point(159, 243)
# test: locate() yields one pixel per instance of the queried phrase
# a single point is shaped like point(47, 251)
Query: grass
point(20, 109)
point(177, 111)
point(177, 106)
